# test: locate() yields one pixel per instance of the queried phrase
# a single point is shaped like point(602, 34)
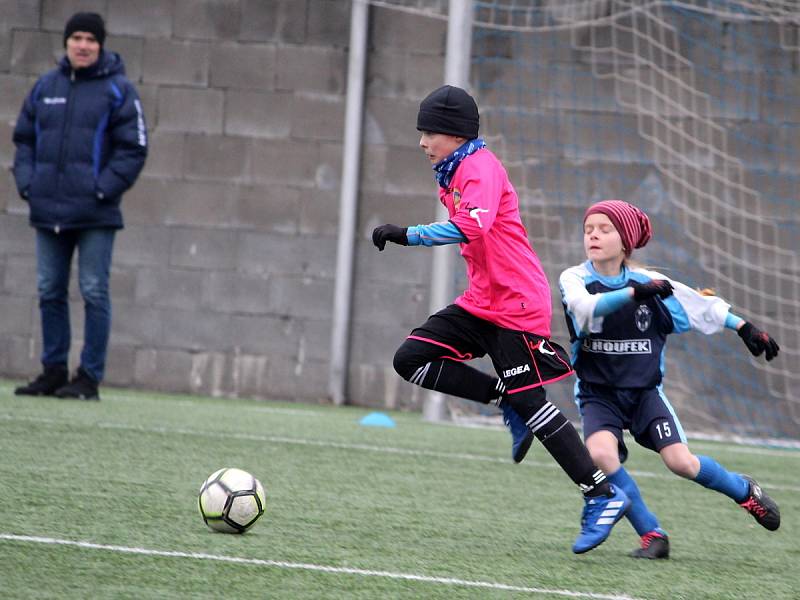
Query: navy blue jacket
point(81, 142)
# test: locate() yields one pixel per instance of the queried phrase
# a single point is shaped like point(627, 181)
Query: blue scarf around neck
point(446, 168)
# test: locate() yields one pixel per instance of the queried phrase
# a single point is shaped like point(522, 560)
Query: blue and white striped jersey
point(619, 342)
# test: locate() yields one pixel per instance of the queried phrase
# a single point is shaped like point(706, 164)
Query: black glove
point(758, 341)
point(389, 233)
point(658, 287)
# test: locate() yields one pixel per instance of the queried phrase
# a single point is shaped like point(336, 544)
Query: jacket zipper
point(64, 129)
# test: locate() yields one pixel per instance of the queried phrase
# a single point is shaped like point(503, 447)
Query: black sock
point(560, 439)
point(457, 379)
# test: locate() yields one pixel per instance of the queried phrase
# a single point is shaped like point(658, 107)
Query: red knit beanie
point(632, 224)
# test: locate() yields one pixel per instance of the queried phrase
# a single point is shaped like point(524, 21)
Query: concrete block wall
point(223, 278)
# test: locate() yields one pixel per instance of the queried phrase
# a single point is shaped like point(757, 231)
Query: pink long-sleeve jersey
point(507, 285)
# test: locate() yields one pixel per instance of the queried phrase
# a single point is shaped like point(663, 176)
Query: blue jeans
point(53, 260)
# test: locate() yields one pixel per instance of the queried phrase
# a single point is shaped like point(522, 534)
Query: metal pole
point(348, 202)
point(456, 72)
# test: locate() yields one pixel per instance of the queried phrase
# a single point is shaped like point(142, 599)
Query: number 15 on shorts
point(664, 430)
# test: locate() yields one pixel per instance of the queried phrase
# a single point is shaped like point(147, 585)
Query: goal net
point(690, 110)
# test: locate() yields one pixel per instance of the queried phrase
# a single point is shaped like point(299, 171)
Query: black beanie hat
point(86, 21)
point(449, 110)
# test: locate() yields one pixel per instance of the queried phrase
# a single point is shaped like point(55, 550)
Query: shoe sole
point(622, 514)
point(642, 557)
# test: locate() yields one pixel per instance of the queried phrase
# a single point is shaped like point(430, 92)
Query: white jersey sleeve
point(690, 309)
point(580, 304)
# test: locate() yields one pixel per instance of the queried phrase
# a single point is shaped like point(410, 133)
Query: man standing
point(80, 143)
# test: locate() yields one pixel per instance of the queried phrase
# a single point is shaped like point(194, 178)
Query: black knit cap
point(86, 21)
point(449, 110)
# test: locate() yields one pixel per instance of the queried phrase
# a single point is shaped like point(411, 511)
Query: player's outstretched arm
point(610, 302)
point(434, 234)
point(757, 341)
point(389, 233)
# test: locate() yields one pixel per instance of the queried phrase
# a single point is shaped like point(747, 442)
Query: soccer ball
point(231, 500)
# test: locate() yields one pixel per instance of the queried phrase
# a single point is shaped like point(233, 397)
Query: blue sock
point(639, 515)
point(715, 477)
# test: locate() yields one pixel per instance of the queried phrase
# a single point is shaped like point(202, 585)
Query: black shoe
point(45, 384)
point(655, 545)
point(82, 387)
point(762, 507)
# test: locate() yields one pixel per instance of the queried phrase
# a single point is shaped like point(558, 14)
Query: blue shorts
point(646, 413)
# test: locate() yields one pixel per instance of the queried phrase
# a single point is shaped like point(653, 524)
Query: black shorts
point(522, 360)
point(646, 413)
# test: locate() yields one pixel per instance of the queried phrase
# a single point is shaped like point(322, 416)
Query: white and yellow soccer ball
point(231, 500)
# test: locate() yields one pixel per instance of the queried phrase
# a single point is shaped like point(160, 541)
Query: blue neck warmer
point(446, 168)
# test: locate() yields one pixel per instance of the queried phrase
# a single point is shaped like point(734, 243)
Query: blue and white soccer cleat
point(600, 514)
point(522, 436)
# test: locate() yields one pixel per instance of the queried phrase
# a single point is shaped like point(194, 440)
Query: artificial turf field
point(98, 500)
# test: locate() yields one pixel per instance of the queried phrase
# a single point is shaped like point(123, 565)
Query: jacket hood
point(108, 63)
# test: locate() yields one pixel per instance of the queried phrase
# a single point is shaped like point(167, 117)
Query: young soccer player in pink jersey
point(619, 316)
point(504, 313)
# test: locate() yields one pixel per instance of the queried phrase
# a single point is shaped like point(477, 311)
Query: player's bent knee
point(529, 402)
point(407, 361)
point(605, 458)
point(681, 465)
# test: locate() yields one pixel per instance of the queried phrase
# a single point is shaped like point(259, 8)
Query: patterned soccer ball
point(231, 500)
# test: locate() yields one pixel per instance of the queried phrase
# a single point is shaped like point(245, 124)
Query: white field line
point(280, 564)
point(275, 439)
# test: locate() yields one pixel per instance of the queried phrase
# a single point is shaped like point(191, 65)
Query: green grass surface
point(421, 500)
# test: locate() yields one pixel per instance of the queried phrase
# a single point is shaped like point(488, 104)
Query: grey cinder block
point(277, 208)
point(203, 248)
point(140, 17)
point(145, 203)
point(328, 23)
point(176, 62)
point(241, 66)
point(164, 156)
point(34, 52)
point(131, 49)
point(16, 237)
point(258, 114)
point(169, 287)
point(290, 162)
point(274, 21)
point(202, 204)
point(142, 245)
point(17, 14)
point(207, 19)
point(219, 157)
point(309, 69)
point(198, 110)
point(233, 292)
point(13, 90)
point(307, 256)
point(318, 118)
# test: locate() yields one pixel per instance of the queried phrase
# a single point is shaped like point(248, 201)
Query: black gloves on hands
point(758, 341)
point(389, 233)
point(658, 287)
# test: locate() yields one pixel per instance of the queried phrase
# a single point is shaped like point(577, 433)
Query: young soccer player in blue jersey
point(619, 317)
